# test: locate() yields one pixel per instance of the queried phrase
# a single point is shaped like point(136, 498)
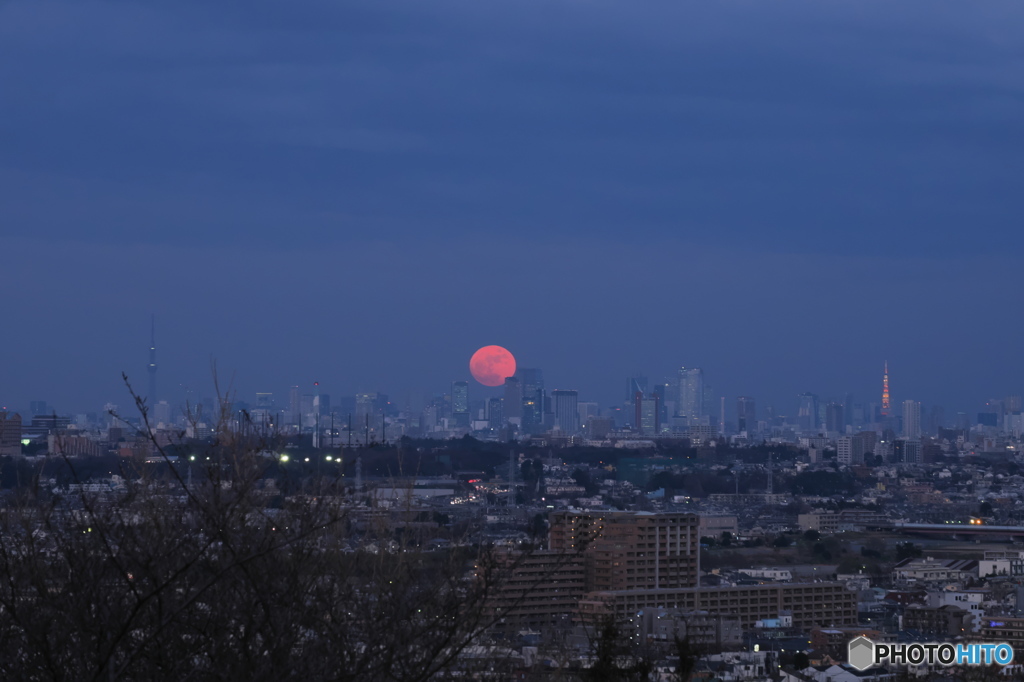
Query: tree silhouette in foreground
point(169, 579)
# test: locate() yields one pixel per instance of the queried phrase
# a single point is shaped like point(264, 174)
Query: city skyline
point(686, 396)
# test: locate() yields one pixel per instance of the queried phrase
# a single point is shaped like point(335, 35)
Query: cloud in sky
point(789, 192)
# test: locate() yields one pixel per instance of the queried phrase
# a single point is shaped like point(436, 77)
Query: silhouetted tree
point(168, 579)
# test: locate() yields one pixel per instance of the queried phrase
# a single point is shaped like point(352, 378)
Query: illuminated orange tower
point(885, 390)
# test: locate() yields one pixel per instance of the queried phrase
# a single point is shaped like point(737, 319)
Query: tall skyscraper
point(531, 381)
point(586, 410)
point(691, 394)
point(513, 403)
point(151, 367)
point(911, 419)
point(294, 407)
point(308, 408)
point(835, 417)
point(316, 414)
point(161, 413)
point(647, 413)
point(746, 414)
point(460, 403)
point(567, 416)
point(366, 408)
point(936, 421)
point(634, 384)
point(807, 412)
point(709, 406)
point(495, 414)
point(886, 407)
point(721, 417)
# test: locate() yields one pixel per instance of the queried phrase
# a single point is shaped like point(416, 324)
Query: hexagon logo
point(861, 653)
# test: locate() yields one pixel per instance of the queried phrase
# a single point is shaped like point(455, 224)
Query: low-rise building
point(930, 569)
point(972, 601)
point(714, 526)
point(825, 522)
point(1001, 563)
point(776, 574)
point(946, 621)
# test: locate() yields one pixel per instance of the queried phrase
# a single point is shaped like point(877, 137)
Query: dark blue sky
point(786, 194)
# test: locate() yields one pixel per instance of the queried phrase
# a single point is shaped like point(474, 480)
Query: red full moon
point(491, 364)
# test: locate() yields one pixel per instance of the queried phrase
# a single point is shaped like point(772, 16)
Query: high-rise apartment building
point(630, 550)
point(907, 450)
point(844, 450)
point(10, 434)
point(851, 450)
point(691, 394)
point(567, 415)
point(911, 419)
